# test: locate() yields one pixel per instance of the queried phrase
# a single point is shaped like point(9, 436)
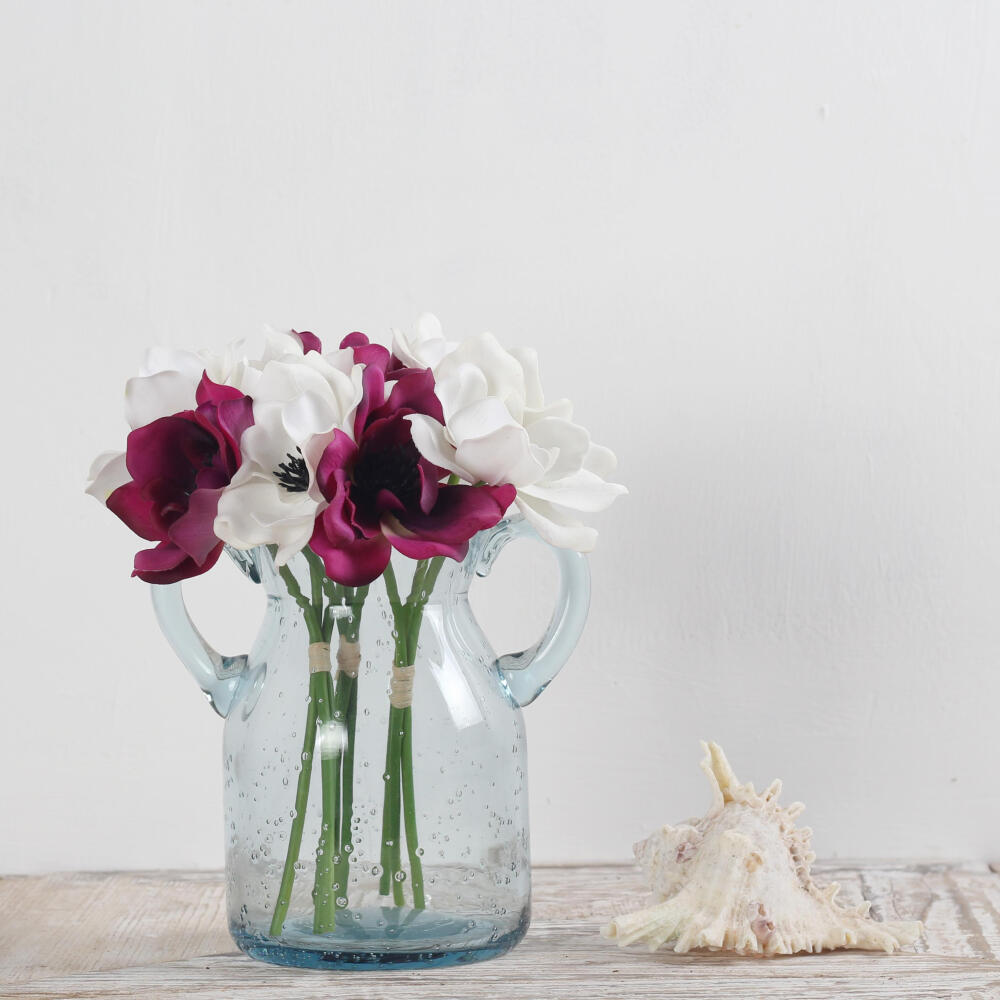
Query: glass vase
point(376, 806)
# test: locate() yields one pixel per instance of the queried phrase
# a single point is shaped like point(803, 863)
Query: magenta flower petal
point(419, 547)
point(234, 417)
point(386, 434)
point(372, 389)
point(165, 558)
point(169, 500)
point(309, 341)
point(386, 502)
point(375, 358)
point(136, 510)
point(337, 521)
point(169, 564)
point(412, 393)
point(214, 477)
point(194, 531)
point(179, 467)
point(365, 352)
point(211, 392)
point(430, 475)
point(459, 513)
point(339, 455)
point(169, 448)
point(355, 564)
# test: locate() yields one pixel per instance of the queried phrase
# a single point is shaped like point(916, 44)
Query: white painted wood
point(756, 243)
point(162, 934)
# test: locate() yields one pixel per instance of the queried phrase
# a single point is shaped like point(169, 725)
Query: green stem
point(331, 708)
point(299, 819)
point(317, 574)
point(397, 852)
point(309, 612)
point(390, 799)
point(390, 808)
point(399, 800)
point(410, 811)
point(335, 599)
point(349, 628)
point(431, 578)
point(342, 868)
point(391, 588)
point(429, 571)
point(332, 713)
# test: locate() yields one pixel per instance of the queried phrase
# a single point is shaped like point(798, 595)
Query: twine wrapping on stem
point(348, 657)
point(319, 657)
point(401, 689)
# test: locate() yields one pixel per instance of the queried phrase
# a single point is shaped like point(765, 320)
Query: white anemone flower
point(107, 473)
point(298, 404)
point(169, 377)
point(498, 429)
point(425, 346)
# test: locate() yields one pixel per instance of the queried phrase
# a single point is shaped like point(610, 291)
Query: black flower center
point(393, 469)
point(293, 474)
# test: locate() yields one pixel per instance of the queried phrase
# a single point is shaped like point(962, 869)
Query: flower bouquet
point(324, 473)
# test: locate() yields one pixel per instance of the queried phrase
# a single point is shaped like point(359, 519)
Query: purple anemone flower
point(179, 467)
point(382, 493)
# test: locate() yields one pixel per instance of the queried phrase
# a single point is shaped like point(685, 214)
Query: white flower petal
point(465, 386)
point(561, 409)
point(527, 357)
point(254, 513)
point(425, 347)
point(307, 415)
point(555, 527)
point(582, 491)
point(280, 344)
point(567, 440)
point(266, 444)
point(149, 397)
point(428, 327)
point(281, 381)
point(169, 359)
point(600, 460)
point(481, 417)
point(293, 539)
point(312, 452)
point(429, 437)
point(341, 359)
point(107, 473)
point(504, 455)
point(503, 373)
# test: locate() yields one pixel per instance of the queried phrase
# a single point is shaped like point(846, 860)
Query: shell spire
point(739, 879)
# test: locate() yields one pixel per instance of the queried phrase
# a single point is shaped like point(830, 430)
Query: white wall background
point(758, 244)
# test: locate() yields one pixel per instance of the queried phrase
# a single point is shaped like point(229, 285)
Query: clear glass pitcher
point(376, 805)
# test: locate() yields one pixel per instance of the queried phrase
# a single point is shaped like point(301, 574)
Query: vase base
point(387, 938)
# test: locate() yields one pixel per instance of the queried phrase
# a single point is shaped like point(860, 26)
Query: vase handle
point(529, 672)
point(217, 675)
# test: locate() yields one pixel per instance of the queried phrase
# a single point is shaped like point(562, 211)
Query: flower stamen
point(293, 474)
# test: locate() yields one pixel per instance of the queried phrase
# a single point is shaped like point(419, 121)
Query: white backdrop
point(757, 243)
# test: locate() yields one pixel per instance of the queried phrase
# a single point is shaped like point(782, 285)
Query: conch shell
point(739, 880)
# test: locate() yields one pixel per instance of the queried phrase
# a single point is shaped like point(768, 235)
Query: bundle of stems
point(399, 796)
point(331, 711)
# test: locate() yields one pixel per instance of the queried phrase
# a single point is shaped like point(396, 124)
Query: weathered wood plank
point(57, 924)
point(553, 962)
point(147, 934)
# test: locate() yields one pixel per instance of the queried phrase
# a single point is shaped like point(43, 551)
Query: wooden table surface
point(163, 934)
